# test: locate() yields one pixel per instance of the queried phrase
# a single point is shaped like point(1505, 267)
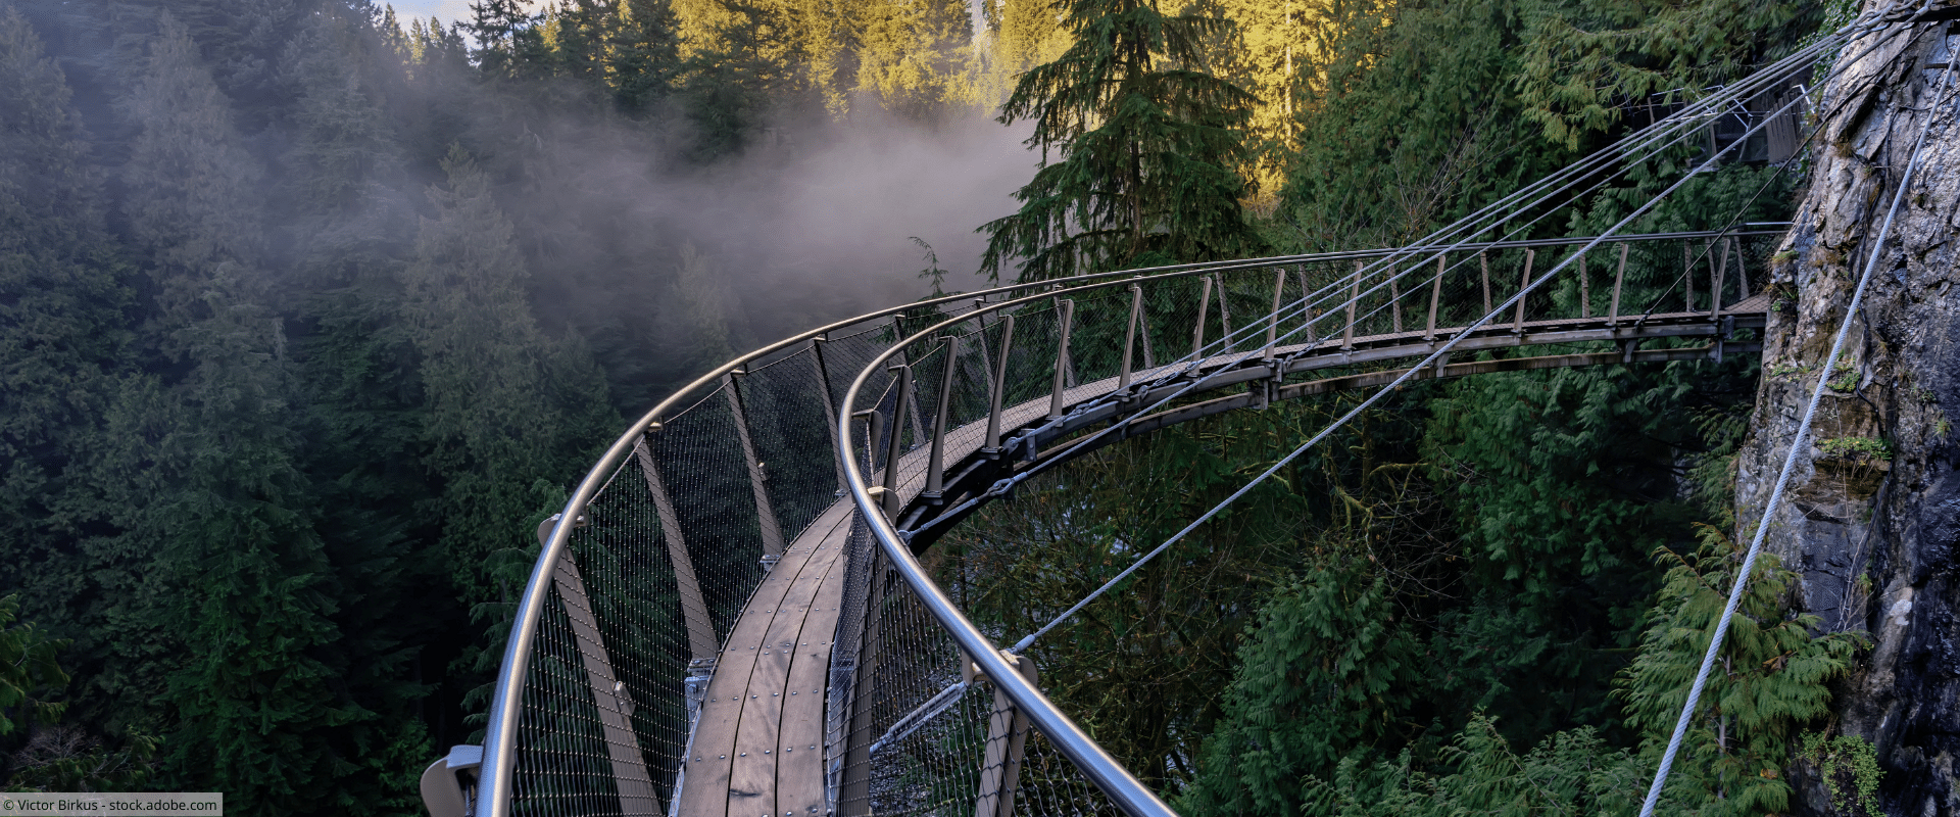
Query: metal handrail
point(500, 734)
point(499, 756)
point(1130, 794)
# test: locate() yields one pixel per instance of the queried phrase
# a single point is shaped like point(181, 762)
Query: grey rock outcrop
point(1872, 518)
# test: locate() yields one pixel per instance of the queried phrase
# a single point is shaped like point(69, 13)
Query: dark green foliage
point(1148, 150)
point(28, 671)
point(1770, 678)
point(1582, 61)
point(645, 58)
point(502, 398)
point(1329, 669)
point(1412, 125)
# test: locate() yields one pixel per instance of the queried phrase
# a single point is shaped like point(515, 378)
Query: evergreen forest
point(309, 314)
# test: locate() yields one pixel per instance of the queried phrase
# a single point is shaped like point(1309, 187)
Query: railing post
point(1688, 275)
point(1061, 359)
point(1143, 330)
point(1741, 273)
point(1130, 335)
point(1483, 263)
point(829, 408)
point(1204, 305)
point(765, 511)
point(1435, 298)
point(1524, 281)
point(936, 462)
point(1007, 735)
point(1585, 289)
point(1395, 299)
point(1721, 267)
point(609, 694)
point(1225, 314)
point(1619, 277)
point(1354, 299)
point(893, 449)
point(1000, 385)
point(1272, 318)
point(854, 792)
point(1311, 315)
point(701, 642)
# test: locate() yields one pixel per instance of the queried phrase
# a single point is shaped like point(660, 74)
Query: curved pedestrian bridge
point(717, 635)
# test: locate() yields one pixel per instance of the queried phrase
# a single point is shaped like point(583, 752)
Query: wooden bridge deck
point(757, 748)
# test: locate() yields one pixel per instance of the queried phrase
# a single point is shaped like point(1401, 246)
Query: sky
point(449, 10)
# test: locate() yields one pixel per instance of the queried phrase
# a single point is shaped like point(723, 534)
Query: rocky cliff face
point(1873, 517)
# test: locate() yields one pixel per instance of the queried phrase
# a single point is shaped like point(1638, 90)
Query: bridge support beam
point(1055, 398)
point(1204, 305)
point(992, 444)
point(1130, 335)
point(936, 462)
point(765, 511)
point(609, 695)
point(1619, 278)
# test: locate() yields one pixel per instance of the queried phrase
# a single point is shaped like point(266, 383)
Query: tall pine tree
point(253, 707)
point(1149, 146)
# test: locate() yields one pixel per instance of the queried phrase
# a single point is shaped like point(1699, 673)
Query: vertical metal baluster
point(1585, 289)
point(765, 511)
point(1225, 315)
point(986, 361)
point(1313, 337)
point(1517, 321)
point(1395, 299)
point(1483, 263)
point(1272, 320)
point(1061, 359)
point(936, 463)
point(1204, 305)
point(829, 408)
point(1130, 335)
point(892, 447)
point(702, 644)
point(1000, 385)
point(1619, 277)
point(1688, 275)
point(1354, 299)
point(1715, 286)
point(1435, 298)
point(1741, 273)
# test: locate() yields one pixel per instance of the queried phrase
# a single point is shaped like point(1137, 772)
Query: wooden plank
point(705, 793)
point(752, 771)
point(799, 760)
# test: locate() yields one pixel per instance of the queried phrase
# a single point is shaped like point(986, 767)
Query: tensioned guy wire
point(1443, 349)
point(1633, 148)
point(1789, 467)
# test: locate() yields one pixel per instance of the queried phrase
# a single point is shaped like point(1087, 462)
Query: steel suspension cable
point(1444, 349)
point(1681, 129)
point(1783, 478)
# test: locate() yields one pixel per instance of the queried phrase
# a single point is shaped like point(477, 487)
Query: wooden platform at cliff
point(757, 749)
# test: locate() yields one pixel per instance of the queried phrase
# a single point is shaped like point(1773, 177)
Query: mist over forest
point(311, 313)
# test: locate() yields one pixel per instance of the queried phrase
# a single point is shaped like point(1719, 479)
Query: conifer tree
point(503, 403)
point(247, 593)
point(911, 54)
point(644, 60)
point(1149, 149)
point(63, 299)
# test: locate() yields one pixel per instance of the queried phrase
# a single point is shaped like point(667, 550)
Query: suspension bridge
point(731, 619)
